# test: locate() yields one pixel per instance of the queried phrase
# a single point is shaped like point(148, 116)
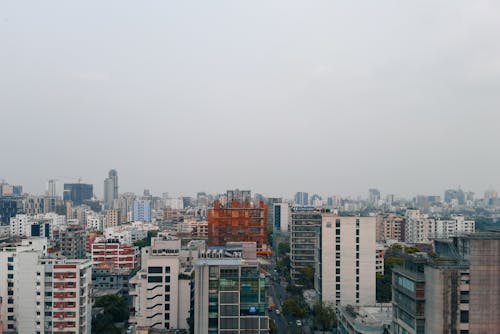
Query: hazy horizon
point(273, 96)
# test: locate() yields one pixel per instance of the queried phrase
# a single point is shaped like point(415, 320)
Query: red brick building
point(238, 222)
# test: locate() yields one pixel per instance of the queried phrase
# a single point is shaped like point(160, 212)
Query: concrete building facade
point(346, 260)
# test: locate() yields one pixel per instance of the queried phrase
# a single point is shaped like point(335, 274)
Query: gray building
point(301, 198)
point(110, 189)
point(458, 291)
point(304, 228)
point(73, 242)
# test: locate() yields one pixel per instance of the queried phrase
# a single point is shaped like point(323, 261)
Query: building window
point(337, 222)
point(154, 279)
point(167, 270)
point(357, 240)
point(10, 259)
point(337, 271)
point(357, 279)
point(337, 287)
point(337, 279)
point(337, 231)
point(337, 263)
point(154, 270)
point(167, 279)
point(337, 239)
point(167, 288)
point(357, 248)
point(357, 287)
point(464, 317)
point(337, 247)
point(357, 222)
point(357, 255)
point(357, 232)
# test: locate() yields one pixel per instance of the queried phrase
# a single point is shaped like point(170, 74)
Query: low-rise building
point(374, 319)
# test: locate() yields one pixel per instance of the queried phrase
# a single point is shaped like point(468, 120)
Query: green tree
point(306, 277)
point(295, 306)
point(325, 318)
point(103, 324)
point(283, 248)
point(114, 306)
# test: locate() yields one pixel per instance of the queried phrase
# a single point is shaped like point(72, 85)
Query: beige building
point(161, 291)
point(346, 260)
point(390, 227)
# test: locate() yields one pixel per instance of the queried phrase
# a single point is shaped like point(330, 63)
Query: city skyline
point(330, 97)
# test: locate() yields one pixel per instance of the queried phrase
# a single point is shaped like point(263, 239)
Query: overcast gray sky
point(329, 96)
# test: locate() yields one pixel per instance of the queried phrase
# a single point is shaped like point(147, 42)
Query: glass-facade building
point(230, 297)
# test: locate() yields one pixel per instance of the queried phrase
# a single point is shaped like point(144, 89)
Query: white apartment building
point(41, 294)
point(161, 291)
point(282, 217)
point(419, 228)
point(346, 260)
point(42, 225)
point(94, 221)
point(125, 234)
point(194, 228)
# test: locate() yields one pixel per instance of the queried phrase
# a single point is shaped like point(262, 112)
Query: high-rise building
point(282, 217)
point(78, 192)
point(304, 229)
point(301, 199)
point(52, 188)
point(373, 196)
point(161, 291)
point(73, 242)
point(110, 189)
point(44, 295)
point(230, 295)
point(142, 210)
point(346, 263)
point(236, 222)
point(9, 207)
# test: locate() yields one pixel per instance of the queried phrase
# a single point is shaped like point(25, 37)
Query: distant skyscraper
point(301, 199)
point(239, 195)
point(110, 189)
point(52, 188)
point(78, 192)
point(374, 196)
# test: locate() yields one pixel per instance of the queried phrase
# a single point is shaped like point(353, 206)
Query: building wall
point(484, 285)
point(347, 260)
point(443, 286)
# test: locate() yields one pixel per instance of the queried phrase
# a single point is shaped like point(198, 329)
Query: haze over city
point(279, 96)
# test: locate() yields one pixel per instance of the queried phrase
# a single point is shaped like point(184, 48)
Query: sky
point(329, 97)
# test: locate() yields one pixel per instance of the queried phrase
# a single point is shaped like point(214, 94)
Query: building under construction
point(238, 221)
